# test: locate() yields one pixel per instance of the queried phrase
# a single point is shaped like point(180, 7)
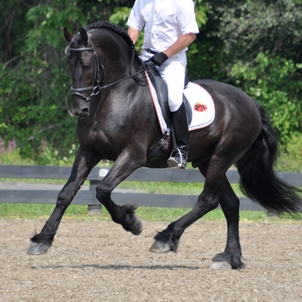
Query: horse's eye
point(67, 51)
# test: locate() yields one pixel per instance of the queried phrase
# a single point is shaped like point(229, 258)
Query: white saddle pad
point(202, 104)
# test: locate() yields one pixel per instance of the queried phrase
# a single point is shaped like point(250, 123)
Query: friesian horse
point(117, 121)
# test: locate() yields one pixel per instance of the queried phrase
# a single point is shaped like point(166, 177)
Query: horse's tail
point(258, 180)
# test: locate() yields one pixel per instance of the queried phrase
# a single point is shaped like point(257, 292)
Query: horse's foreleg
point(125, 214)
point(232, 255)
point(82, 166)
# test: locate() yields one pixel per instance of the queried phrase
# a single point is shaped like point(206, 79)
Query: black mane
point(117, 29)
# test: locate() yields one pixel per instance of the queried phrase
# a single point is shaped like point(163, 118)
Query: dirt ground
point(98, 261)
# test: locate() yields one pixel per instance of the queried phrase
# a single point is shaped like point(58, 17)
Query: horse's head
point(86, 70)
point(97, 43)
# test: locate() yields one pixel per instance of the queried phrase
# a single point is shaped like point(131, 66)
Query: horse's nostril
point(81, 112)
point(85, 111)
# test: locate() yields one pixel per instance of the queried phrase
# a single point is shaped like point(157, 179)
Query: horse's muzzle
point(81, 111)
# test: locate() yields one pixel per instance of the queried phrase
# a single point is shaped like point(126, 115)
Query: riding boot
point(179, 156)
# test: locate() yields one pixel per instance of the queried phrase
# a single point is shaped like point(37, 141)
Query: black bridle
point(96, 75)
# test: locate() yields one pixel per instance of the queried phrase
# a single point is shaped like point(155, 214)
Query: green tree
point(35, 88)
point(279, 90)
point(256, 45)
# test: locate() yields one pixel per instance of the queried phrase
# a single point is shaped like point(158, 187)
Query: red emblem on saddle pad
point(200, 107)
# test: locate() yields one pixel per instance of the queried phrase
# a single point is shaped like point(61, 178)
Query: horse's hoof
point(137, 226)
point(221, 261)
point(220, 265)
point(160, 247)
point(37, 248)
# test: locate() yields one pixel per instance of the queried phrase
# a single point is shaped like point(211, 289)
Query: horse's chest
point(95, 135)
point(104, 137)
point(101, 140)
point(89, 133)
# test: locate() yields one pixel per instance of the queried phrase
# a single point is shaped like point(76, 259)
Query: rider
point(169, 28)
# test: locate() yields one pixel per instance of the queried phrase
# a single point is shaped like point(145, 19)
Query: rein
point(96, 78)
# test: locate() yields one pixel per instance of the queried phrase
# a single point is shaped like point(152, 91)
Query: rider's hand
point(159, 58)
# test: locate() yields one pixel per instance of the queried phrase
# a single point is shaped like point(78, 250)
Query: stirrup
point(177, 160)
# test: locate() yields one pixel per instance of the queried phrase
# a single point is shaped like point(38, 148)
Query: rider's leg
point(173, 72)
point(179, 157)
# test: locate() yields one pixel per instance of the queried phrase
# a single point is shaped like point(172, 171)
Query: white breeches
point(173, 72)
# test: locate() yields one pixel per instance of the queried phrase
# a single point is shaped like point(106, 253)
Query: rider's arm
point(133, 34)
point(181, 43)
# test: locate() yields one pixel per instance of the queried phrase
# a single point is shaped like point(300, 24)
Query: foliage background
point(254, 45)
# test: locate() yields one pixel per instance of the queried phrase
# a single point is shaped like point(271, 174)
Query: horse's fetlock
point(177, 232)
point(45, 239)
point(100, 195)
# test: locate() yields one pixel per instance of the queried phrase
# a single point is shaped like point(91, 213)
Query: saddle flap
point(161, 90)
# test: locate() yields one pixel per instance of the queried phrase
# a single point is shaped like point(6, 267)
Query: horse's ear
point(84, 36)
point(67, 34)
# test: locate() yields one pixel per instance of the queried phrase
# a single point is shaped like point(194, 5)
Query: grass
point(79, 212)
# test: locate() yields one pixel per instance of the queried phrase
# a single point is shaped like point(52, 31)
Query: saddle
point(160, 87)
point(161, 90)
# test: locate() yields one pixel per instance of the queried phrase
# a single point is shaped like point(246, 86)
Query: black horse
point(117, 121)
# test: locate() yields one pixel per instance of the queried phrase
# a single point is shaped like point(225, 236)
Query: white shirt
point(164, 21)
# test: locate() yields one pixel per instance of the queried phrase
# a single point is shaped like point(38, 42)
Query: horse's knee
point(208, 201)
point(64, 199)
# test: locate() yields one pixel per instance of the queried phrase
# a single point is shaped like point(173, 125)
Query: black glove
point(159, 58)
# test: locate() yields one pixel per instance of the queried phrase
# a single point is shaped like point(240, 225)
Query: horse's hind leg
point(168, 239)
point(83, 164)
point(216, 190)
point(230, 205)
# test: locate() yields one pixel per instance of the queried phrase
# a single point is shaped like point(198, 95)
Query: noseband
point(96, 73)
